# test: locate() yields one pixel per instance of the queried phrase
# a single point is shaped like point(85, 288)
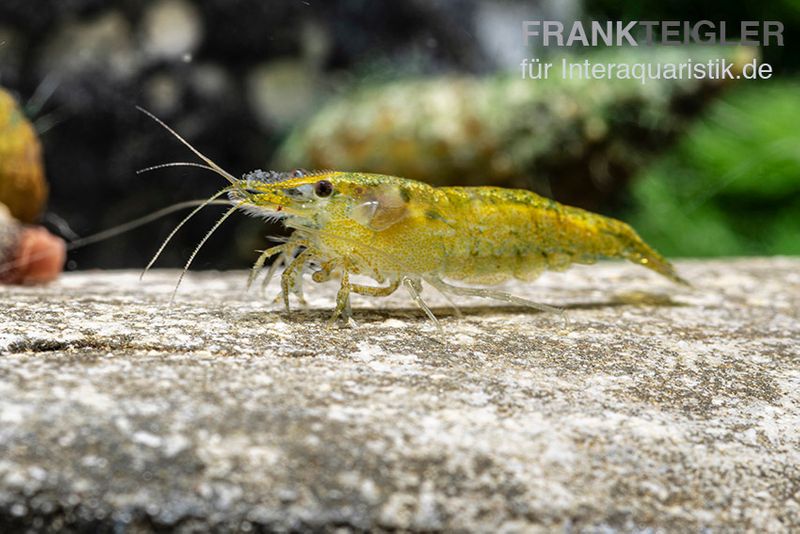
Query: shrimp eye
point(323, 188)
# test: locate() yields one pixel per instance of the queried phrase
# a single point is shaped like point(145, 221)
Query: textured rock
point(656, 407)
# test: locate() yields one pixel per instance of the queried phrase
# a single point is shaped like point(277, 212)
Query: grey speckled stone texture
point(657, 406)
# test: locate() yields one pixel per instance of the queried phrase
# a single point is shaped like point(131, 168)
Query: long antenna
point(222, 172)
point(116, 230)
point(141, 221)
point(200, 245)
point(175, 164)
point(174, 231)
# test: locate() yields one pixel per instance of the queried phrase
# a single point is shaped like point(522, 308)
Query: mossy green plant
point(732, 185)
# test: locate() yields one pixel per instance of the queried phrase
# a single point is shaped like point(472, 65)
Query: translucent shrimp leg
point(414, 288)
point(282, 260)
point(453, 305)
point(342, 301)
point(289, 278)
point(324, 273)
point(444, 287)
point(259, 264)
point(343, 295)
point(375, 291)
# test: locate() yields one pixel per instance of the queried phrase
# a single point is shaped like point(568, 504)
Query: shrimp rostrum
point(401, 232)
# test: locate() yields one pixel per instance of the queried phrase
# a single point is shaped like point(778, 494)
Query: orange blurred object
point(37, 258)
point(29, 254)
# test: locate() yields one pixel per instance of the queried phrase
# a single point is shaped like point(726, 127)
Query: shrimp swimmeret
point(401, 232)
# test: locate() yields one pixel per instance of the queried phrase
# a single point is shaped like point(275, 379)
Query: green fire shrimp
point(401, 233)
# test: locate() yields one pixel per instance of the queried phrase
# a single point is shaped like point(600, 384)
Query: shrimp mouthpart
point(256, 203)
point(274, 199)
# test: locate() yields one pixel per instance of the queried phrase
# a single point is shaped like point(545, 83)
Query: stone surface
point(656, 407)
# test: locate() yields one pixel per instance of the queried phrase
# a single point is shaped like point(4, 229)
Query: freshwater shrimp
point(401, 232)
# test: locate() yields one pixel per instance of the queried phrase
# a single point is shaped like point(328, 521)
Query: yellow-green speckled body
point(510, 232)
point(398, 227)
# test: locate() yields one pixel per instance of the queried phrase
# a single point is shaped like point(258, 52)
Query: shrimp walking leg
point(343, 295)
point(453, 305)
point(496, 295)
point(325, 272)
point(282, 260)
point(342, 300)
point(375, 291)
point(289, 278)
point(259, 264)
point(414, 287)
point(285, 259)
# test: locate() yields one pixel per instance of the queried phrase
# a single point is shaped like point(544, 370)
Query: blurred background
point(425, 89)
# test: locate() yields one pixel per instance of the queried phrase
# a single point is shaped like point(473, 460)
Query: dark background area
point(233, 77)
point(95, 139)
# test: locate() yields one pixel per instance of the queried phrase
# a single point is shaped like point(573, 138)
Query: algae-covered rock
point(576, 139)
point(732, 185)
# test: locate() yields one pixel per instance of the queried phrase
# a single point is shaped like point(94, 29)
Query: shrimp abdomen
point(519, 233)
point(625, 243)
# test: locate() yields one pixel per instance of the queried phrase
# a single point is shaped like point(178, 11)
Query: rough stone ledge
point(656, 407)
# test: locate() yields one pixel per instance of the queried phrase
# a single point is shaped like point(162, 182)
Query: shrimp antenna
point(200, 245)
point(222, 172)
point(42, 94)
point(141, 221)
point(174, 231)
point(79, 242)
point(175, 164)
